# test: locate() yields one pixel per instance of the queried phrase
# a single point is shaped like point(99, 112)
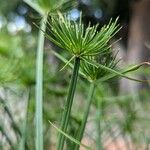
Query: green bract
point(78, 40)
point(94, 72)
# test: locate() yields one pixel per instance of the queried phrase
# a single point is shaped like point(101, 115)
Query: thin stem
point(99, 145)
point(99, 112)
point(68, 104)
point(39, 86)
point(86, 113)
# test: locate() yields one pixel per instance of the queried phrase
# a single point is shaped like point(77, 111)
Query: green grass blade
point(124, 71)
point(66, 61)
point(62, 58)
point(70, 138)
point(119, 74)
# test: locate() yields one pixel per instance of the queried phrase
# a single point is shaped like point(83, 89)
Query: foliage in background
point(124, 117)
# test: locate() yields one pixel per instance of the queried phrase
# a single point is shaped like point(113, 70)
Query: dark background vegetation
point(125, 119)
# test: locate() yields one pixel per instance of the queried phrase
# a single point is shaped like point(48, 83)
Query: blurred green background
point(123, 105)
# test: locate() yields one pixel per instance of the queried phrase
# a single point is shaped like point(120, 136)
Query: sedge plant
point(93, 73)
point(43, 7)
point(83, 44)
point(90, 49)
point(104, 69)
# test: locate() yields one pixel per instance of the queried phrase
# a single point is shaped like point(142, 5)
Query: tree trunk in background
point(139, 35)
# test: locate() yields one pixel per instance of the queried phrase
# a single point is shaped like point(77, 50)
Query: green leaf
point(66, 61)
point(121, 74)
point(125, 71)
point(70, 138)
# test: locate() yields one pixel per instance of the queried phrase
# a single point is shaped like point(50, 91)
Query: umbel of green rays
point(43, 7)
point(82, 43)
point(105, 67)
point(78, 40)
point(102, 69)
point(93, 73)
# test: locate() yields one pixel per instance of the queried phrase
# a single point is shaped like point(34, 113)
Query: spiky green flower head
point(77, 39)
point(94, 68)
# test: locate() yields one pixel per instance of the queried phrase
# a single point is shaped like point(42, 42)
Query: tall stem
point(68, 103)
point(39, 86)
point(99, 145)
point(86, 113)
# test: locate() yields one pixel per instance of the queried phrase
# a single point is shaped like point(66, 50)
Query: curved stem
point(68, 104)
point(83, 124)
point(39, 86)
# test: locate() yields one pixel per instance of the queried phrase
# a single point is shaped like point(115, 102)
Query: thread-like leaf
point(125, 71)
point(78, 40)
point(121, 74)
point(69, 137)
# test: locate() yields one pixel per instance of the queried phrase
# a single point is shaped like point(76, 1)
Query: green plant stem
point(39, 86)
point(86, 113)
point(99, 145)
point(68, 103)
